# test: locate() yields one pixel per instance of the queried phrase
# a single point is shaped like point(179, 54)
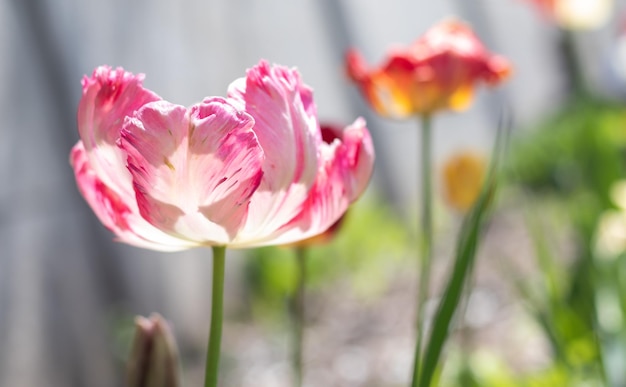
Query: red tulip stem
point(217, 309)
point(426, 242)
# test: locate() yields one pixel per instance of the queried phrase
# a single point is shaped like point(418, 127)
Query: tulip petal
point(109, 95)
point(498, 69)
point(121, 217)
point(462, 97)
point(386, 94)
point(287, 129)
point(193, 171)
point(358, 156)
point(347, 165)
point(394, 88)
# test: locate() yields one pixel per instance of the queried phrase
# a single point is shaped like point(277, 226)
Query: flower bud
point(153, 360)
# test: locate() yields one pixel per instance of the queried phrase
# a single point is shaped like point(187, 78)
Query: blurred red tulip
point(436, 72)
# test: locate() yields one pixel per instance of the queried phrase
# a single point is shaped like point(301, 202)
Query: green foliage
point(581, 148)
point(576, 156)
point(465, 254)
point(565, 167)
point(568, 164)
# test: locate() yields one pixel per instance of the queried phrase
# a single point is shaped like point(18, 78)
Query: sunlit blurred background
point(69, 293)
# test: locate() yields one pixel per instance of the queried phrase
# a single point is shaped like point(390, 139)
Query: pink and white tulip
point(247, 170)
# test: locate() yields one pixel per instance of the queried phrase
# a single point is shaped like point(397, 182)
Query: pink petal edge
point(119, 217)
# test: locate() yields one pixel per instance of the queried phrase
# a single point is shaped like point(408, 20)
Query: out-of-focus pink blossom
point(247, 170)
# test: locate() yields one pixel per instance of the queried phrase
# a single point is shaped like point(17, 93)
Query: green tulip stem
point(217, 311)
point(426, 242)
point(297, 311)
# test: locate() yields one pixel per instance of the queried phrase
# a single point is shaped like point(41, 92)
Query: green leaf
point(465, 254)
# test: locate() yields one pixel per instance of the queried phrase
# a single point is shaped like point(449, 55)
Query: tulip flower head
point(437, 72)
point(247, 170)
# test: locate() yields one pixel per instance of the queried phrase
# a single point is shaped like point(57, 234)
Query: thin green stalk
point(217, 309)
point(466, 252)
point(573, 67)
point(426, 242)
point(467, 244)
point(297, 311)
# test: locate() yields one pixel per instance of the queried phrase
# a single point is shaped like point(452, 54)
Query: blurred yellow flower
point(618, 194)
point(463, 175)
point(577, 14)
point(610, 239)
point(611, 235)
